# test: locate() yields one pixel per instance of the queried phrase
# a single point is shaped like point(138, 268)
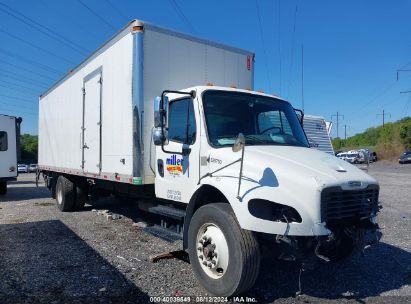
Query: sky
point(347, 52)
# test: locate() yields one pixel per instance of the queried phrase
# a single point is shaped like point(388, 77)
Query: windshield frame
point(250, 94)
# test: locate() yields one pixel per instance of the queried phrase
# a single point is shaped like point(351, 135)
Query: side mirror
point(159, 137)
point(239, 143)
point(300, 116)
point(160, 134)
point(164, 111)
point(157, 115)
point(161, 112)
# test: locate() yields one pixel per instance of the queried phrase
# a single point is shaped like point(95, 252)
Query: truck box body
point(8, 147)
point(97, 120)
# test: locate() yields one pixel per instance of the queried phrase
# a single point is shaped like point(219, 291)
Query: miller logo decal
point(174, 165)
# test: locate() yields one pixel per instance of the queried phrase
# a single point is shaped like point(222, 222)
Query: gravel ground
point(51, 257)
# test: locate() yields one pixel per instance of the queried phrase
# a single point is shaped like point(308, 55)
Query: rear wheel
point(3, 188)
point(225, 258)
point(65, 194)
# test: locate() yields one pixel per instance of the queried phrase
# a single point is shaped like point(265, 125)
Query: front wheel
point(225, 258)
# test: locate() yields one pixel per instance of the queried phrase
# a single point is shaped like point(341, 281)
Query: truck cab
point(241, 161)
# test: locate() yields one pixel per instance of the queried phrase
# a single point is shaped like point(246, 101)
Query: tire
point(243, 252)
point(3, 188)
point(81, 198)
point(51, 185)
point(65, 194)
point(53, 189)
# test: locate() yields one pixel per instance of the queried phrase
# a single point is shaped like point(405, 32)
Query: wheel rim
point(212, 250)
point(59, 195)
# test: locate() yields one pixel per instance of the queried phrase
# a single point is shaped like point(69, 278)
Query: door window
point(181, 122)
point(3, 141)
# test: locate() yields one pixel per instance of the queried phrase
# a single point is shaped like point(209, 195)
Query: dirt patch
point(44, 204)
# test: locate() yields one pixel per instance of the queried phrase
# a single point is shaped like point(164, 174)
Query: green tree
point(388, 141)
point(405, 134)
point(29, 147)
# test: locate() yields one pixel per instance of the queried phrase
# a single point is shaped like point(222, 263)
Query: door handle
point(160, 167)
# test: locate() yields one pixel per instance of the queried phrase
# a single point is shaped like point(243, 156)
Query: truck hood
point(285, 175)
point(296, 163)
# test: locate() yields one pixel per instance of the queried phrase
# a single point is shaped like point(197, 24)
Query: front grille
point(339, 204)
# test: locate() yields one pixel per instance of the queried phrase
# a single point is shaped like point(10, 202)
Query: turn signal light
point(137, 28)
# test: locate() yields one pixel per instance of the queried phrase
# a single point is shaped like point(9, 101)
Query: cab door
point(177, 173)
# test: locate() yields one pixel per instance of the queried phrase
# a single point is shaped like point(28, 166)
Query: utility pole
point(338, 115)
point(383, 114)
point(302, 76)
point(345, 131)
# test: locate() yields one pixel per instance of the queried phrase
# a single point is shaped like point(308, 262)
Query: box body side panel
point(61, 113)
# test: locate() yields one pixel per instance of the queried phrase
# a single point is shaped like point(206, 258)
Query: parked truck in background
point(173, 122)
point(9, 146)
point(318, 131)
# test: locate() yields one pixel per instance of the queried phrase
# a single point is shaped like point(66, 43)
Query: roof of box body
point(125, 30)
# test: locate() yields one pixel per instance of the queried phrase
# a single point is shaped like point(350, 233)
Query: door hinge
point(100, 81)
point(84, 91)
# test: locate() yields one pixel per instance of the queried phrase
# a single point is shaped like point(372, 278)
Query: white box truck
point(9, 139)
point(173, 121)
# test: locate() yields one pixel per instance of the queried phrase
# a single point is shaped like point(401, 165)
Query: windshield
point(262, 120)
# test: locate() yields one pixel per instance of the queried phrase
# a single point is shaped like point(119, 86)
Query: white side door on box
point(92, 122)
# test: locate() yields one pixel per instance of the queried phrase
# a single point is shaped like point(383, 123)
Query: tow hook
point(376, 237)
point(282, 238)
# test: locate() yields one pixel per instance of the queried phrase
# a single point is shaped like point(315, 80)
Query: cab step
point(164, 233)
point(173, 213)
